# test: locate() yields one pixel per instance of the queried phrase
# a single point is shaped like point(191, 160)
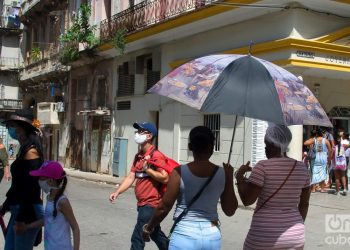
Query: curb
point(96, 177)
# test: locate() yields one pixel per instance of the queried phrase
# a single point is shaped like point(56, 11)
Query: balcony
point(9, 63)
point(42, 61)
point(9, 18)
point(147, 14)
point(41, 51)
point(10, 104)
point(29, 5)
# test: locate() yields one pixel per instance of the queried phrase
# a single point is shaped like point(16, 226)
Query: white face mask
point(45, 186)
point(140, 138)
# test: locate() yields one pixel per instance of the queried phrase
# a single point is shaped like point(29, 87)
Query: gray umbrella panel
point(245, 88)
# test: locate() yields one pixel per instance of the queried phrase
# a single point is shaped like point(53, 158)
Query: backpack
point(168, 166)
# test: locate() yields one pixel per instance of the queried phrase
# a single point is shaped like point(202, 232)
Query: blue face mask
point(13, 133)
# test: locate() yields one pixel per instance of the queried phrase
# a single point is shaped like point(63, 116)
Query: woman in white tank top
point(199, 228)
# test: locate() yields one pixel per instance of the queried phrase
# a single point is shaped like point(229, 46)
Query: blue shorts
point(196, 235)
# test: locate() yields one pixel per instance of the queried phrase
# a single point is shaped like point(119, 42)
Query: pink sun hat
point(49, 169)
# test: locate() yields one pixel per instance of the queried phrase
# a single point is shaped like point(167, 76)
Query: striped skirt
point(276, 229)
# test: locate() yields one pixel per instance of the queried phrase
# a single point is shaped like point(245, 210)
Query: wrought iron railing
point(9, 62)
point(10, 104)
point(148, 13)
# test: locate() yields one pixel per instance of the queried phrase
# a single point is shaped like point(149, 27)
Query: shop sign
point(305, 54)
point(313, 56)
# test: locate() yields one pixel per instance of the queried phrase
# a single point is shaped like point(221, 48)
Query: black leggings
point(1, 174)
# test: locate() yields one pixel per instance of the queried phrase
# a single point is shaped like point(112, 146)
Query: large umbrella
point(243, 85)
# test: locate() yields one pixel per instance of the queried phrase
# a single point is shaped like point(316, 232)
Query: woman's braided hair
point(62, 183)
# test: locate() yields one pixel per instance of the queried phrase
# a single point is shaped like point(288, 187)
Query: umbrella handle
point(3, 226)
point(232, 139)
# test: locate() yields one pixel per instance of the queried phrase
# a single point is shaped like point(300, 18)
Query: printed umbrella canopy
point(243, 85)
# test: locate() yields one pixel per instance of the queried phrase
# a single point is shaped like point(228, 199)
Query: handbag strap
point(184, 212)
point(278, 189)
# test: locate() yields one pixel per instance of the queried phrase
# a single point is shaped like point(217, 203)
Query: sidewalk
point(90, 176)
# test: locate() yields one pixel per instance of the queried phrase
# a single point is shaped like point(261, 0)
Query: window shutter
point(126, 82)
point(152, 78)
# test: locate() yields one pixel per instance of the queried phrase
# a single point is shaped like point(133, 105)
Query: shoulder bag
point(340, 161)
point(184, 212)
point(311, 154)
point(278, 189)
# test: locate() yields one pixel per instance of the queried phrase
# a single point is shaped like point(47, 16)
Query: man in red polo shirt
point(148, 187)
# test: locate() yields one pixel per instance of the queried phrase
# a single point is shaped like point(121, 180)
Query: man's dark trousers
point(144, 215)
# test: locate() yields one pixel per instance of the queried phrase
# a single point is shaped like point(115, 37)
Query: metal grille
point(10, 103)
point(213, 122)
point(124, 105)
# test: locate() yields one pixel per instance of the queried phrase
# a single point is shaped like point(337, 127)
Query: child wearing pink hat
point(59, 216)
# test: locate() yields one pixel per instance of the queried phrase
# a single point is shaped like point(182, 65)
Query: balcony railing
point(28, 5)
point(9, 62)
point(10, 17)
point(148, 13)
point(41, 51)
point(10, 104)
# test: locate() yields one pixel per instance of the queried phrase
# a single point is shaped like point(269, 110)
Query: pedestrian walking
point(149, 185)
point(282, 187)
point(23, 198)
point(323, 159)
point(340, 164)
point(329, 136)
point(196, 223)
point(59, 218)
point(4, 163)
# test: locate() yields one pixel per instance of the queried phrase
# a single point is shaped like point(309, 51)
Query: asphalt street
point(109, 226)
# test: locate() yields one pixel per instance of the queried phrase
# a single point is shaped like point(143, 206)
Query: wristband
point(145, 230)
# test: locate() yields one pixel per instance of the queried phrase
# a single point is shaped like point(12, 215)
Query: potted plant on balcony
point(119, 40)
point(35, 54)
point(80, 36)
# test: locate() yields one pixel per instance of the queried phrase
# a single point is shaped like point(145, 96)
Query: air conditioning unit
point(48, 113)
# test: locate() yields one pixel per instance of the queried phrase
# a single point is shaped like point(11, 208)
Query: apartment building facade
point(106, 91)
point(309, 39)
point(10, 62)
point(43, 79)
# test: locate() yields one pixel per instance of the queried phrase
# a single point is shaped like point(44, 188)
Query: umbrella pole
point(233, 137)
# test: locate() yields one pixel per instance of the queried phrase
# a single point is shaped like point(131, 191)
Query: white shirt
point(57, 234)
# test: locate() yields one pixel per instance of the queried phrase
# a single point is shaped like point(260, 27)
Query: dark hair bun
point(201, 139)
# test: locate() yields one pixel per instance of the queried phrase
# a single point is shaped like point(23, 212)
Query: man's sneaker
point(336, 193)
point(344, 193)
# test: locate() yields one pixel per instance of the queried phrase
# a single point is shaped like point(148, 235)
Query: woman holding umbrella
point(281, 186)
point(23, 198)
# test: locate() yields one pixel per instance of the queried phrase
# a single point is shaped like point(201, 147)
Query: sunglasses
point(142, 131)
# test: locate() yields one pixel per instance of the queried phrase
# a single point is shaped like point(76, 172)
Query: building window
point(101, 95)
point(126, 81)
point(152, 77)
point(2, 91)
point(213, 122)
